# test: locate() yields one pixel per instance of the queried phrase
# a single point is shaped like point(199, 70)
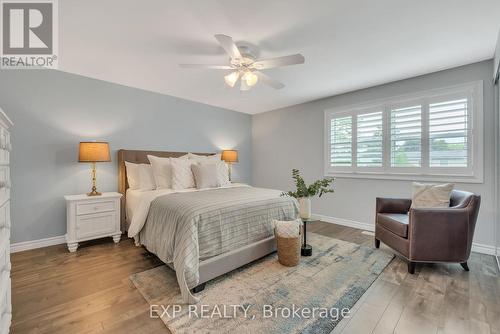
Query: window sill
point(406, 177)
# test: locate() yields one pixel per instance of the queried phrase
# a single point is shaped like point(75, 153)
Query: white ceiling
point(348, 44)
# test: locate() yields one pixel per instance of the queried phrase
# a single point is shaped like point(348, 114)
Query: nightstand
point(92, 217)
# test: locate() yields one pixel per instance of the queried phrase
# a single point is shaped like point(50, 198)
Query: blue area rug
point(266, 297)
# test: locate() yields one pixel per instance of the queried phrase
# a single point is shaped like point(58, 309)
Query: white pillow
point(132, 175)
point(162, 171)
point(182, 176)
point(431, 195)
point(222, 173)
point(204, 158)
point(146, 178)
point(222, 168)
point(205, 175)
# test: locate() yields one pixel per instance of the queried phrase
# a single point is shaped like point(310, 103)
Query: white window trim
point(476, 150)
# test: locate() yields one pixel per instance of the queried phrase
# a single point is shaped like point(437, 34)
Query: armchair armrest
point(439, 234)
point(392, 205)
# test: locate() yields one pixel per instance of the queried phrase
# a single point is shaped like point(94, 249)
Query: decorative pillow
point(205, 175)
point(431, 195)
point(204, 158)
point(132, 175)
point(222, 168)
point(222, 173)
point(182, 176)
point(162, 171)
point(146, 178)
point(287, 229)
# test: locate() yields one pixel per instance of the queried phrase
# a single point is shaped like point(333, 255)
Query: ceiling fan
point(246, 67)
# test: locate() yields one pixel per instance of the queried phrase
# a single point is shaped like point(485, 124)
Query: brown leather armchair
point(428, 235)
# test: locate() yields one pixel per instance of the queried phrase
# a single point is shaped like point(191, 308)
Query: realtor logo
point(29, 34)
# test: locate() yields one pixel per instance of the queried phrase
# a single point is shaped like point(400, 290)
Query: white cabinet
point(5, 285)
point(92, 217)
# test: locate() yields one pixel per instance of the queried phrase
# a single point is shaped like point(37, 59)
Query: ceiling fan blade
point(228, 45)
point(269, 81)
point(206, 66)
point(279, 61)
point(243, 86)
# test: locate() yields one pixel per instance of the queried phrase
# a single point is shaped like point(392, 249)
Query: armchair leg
point(411, 267)
point(465, 266)
point(377, 243)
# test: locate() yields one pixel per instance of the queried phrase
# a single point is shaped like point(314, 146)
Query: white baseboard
point(33, 244)
point(484, 249)
point(345, 222)
point(476, 247)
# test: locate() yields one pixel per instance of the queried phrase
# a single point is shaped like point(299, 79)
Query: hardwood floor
point(54, 291)
point(89, 291)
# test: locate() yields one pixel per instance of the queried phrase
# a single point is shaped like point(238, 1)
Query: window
point(448, 134)
point(434, 135)
point(341, 141)
point(406, 136)
point(369, 139)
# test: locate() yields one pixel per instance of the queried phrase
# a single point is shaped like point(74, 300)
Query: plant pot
point(305, 207)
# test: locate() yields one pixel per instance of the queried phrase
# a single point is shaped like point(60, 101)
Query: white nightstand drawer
point(93, 225)
point(94, 207)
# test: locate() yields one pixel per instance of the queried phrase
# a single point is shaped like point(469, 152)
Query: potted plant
point(304, 193)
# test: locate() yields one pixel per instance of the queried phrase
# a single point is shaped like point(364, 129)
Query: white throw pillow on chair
point(430, 195)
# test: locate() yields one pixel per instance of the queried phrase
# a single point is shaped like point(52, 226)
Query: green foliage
point(401, 159)
point(319, 187)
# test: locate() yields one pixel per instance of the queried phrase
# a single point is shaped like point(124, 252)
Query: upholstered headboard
point(138, 157)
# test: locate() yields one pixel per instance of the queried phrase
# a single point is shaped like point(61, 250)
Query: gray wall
point(293, 138)
point(53, 111)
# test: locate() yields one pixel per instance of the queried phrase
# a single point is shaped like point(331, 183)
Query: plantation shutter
point(406, 136)
point(369, 140)
point(341, 141)
point(448, 132)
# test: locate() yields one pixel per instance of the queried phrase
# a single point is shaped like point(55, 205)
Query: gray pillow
point(205, 175)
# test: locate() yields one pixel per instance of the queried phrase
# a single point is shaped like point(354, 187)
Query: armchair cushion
point(396, 223)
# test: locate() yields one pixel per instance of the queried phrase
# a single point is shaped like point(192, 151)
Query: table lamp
point(94, 152)
point(230, 157)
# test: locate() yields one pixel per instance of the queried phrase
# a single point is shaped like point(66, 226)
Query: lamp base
point(94, 192)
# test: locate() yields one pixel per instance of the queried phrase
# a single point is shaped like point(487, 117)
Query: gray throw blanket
point(185, 228)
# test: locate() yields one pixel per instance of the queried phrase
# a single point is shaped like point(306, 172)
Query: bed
point(205, 233)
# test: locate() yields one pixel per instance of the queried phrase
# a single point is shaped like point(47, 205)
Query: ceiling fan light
point(250, 78)
point(232, 78)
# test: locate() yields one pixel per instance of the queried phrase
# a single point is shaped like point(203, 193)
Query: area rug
point(267, 297)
